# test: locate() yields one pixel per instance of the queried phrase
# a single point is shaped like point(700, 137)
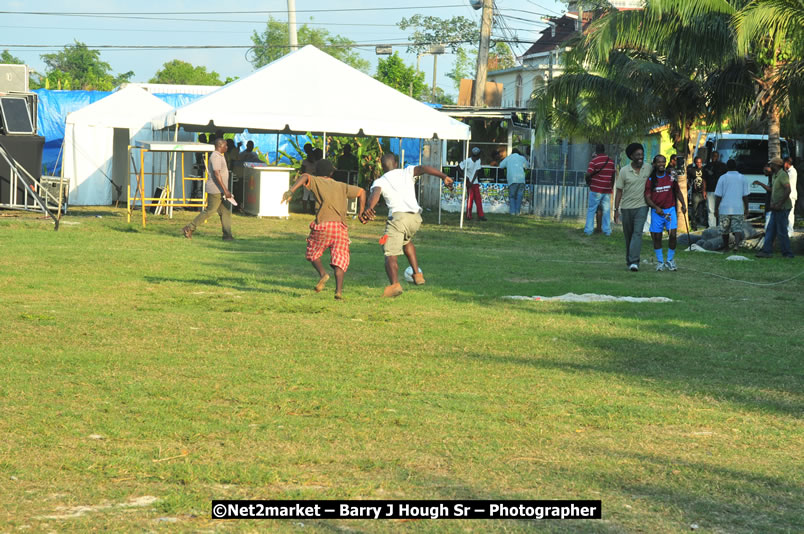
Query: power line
point(185, 31)
point(218, 13)
point(502, 39)
point(543, 7)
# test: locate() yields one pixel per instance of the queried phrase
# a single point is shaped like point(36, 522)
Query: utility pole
point(435, 71)
point(293, 40)
point(479, 93)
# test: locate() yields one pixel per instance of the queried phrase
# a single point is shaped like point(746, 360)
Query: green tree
point(404, 78)
point(78, 67)
point(453, 33)
point(464, 67)
point(705, 61)
point(181, 72)
point(274, 43)
point(441, 97)
point(8, 59)
point(501, 56)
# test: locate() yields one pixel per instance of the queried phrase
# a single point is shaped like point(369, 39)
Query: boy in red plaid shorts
point(328, 230)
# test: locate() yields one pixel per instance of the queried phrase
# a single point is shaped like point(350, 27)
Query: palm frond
point(779, 21)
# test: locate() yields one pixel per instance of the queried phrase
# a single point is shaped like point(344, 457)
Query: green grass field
point(144, 375)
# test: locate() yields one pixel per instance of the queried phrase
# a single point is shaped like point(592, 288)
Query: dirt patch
point(71, 512)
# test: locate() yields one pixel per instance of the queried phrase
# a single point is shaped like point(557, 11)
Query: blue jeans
point(777, 226)
point(515, 194)
point(595, 200)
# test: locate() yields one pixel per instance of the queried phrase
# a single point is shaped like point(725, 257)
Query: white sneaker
point(660, 267)
point(671, 265)
point(634, 267)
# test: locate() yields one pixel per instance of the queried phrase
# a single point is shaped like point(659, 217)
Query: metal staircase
point(35, 196)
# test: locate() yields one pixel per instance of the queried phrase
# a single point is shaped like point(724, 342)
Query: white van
point(750, 151)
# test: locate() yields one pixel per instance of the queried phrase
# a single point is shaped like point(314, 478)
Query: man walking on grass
point(404, 216)
point(630, 196)
point(217, 190)
point(780, 206)
point(661, 193)
point(328, 230)
point(600, 179)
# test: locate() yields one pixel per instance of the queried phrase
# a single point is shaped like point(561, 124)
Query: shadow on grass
point(689, 362)
point(743, 502)
point(750, 383)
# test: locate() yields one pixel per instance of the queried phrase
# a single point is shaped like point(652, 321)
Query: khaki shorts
point(731, 223)
point(400, 229)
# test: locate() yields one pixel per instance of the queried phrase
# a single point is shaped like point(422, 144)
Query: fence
point(556, 185)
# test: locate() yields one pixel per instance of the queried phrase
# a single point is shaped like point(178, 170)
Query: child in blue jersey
point(661, 193)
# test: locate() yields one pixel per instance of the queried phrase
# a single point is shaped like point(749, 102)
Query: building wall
point(531, 79)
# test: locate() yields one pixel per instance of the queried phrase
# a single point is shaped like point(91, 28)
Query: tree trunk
point(774, 129)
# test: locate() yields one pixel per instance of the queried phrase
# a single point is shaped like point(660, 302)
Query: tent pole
point(325, 145)
point(420, 182)
point(440, 192)
point(463, 194)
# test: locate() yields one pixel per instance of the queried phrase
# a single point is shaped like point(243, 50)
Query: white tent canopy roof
point(131, 107)
point(310, 91)
point(96, 140)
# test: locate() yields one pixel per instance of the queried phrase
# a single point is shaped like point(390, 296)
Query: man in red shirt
point(661, 193)
point(600, 178)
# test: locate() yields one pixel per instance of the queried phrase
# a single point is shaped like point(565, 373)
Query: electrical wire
point(502, 39)
point(543, 7)
point(219, 13)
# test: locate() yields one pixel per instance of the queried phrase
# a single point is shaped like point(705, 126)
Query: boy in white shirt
point(404, 216)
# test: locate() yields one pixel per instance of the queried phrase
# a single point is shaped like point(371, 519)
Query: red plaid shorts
point(333, 235)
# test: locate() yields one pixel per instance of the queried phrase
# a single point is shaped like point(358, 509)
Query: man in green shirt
point(780, 206)
point(629, 202)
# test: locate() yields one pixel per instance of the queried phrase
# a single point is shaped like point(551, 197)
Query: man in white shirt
point(793, 174)
point(471, 167)
point(731, 204)
point(515, 166)
point(404, 216)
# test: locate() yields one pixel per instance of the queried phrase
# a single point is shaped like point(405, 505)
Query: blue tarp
point(54, 106)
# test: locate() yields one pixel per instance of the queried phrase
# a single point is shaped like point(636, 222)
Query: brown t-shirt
point(331, 198)
point(217, 162)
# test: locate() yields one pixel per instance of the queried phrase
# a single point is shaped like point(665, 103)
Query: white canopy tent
point(311, 91)
point(96, 140)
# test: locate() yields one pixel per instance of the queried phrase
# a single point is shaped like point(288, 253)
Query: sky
point(201, 22)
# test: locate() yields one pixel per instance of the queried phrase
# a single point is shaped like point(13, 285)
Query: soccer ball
point(409, 274)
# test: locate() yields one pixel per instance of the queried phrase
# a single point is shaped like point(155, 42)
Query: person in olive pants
point(217, 191)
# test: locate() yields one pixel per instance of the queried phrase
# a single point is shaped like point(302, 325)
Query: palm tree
point(688, 61)
point(775, 27)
